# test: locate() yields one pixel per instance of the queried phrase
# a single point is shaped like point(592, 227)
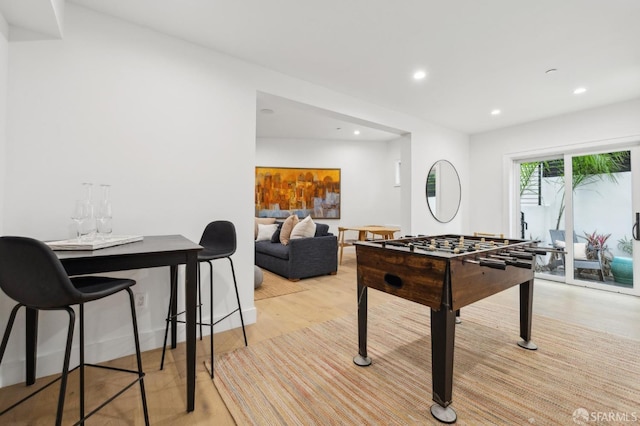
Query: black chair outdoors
point(32, 275)
point(218, 241)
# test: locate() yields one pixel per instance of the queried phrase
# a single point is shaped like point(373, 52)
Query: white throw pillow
point(265, 232)
point(559, 244)
point(304, 229)
point(580, 251)
point(264, 221)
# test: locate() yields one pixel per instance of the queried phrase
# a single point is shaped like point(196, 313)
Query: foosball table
point(445, 273)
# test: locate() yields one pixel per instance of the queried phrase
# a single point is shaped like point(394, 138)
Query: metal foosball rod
point(500, 262)
point(436, 241)
point(545, 249)
point(479, 243)
point(490, 263)
point(521, 254)
point(411, 245)
point(462, 246)
point(512, 261)
point(446, 243)
point(541, 251)
point(457, 249)
point(450, 249)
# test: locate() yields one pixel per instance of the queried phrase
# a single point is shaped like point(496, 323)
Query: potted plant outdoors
point(597, 248)
point(622, 266)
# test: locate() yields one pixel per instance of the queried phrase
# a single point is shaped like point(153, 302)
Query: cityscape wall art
point(283, 191)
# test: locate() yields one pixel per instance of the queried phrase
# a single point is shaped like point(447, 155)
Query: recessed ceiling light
point(579, 90)
point(496, 112)
point(266, 111)
point(356, 132)
point(419, 75)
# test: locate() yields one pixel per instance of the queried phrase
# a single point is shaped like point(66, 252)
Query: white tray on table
point(98, 243)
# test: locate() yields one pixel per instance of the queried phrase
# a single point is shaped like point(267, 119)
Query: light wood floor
point(325, 298)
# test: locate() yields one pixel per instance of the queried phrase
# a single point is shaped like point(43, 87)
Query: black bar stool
point(32, 275)
point(219, 242)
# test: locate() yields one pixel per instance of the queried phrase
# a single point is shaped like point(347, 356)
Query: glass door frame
point(515, 218)
point(512, 178)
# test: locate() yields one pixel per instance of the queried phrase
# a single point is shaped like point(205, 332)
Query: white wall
point(368, 171)
point(4, 51)
point(605, 127)
point(368, 194)
point(171, 126)
point(400, 149)
point(426, 149)
point(429, 143)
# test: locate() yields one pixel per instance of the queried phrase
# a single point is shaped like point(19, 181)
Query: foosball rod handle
point(495, 264)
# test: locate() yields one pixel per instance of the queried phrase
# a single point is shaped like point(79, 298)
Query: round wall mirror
point(443, 191)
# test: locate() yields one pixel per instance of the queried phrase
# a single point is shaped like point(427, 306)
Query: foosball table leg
point(442, 345)
point(362, 359)
point(526, 310)
point(444, 414)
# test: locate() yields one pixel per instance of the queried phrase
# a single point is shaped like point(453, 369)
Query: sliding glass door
point(585, 206)
point(542, 211)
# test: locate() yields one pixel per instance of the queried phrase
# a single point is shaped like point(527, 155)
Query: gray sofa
point(302, 257)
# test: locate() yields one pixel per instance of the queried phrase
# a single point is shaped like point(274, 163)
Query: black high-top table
point(151, 252)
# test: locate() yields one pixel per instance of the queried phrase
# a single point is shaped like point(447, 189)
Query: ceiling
point(478, 55)
point(33, 19)
point(281, 118)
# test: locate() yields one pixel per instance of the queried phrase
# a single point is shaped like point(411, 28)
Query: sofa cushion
point(265, 232)
point(287, 227)
point(304, 229)
point(273, 249)
point(264, 221)
point(322, 229)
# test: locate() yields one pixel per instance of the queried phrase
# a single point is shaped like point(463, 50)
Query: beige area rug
point(274, 285)
point(308, 377)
